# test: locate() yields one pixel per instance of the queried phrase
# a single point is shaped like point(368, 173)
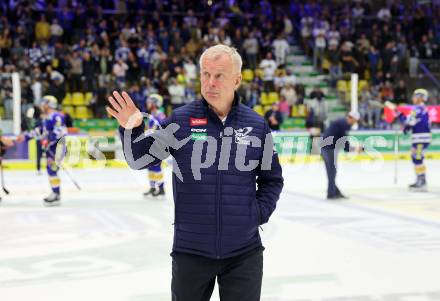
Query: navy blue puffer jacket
point(220, 200)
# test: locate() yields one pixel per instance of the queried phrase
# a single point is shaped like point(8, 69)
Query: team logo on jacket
point(198, 121)
point(241, 135)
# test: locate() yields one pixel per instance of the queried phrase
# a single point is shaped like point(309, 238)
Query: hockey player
point(53, 128)
point(5, 143)
point(418, 123)
point(155, 175)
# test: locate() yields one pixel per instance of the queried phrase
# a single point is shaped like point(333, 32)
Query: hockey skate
point(159, 192)
point(53, 199)
point(419, 185)
point(150, 192)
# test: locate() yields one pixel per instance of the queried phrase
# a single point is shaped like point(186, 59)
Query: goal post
point(10, 94)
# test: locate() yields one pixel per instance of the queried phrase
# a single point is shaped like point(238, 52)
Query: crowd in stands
point(378, 44)
point(79, 51)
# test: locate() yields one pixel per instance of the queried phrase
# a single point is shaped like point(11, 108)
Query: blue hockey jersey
point(52, 128)
point(418, 123)
point(155, 119)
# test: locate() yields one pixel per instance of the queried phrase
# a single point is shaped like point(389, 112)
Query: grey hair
point(219, 49)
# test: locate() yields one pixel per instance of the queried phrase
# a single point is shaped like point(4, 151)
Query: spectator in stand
point(374, 60)
point(281, 49)
point(349, 63)
point(90, 69)
point(334, 59)
point(137, 97)
point(364, 108)
point(76, 71)
point(284, 107)
point(42, 30)
point(319, 34)
point(177, 93)
point(306, 32)
point(56, 31)
point(269, 66)
point(378, 45)
point(333, 36)
point(274, 117)
point(387, 92)
point(384, 14)
point(190, 70)
point(400, 93)
point(119, 71)
point(288, 92)
point(250, 46)
point(319, 107)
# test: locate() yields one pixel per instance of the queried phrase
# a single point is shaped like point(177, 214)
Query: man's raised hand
point(124, 110)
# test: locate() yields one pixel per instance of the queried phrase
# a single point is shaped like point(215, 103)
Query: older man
point(222, 151)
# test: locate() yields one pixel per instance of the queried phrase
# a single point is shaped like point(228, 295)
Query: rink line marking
point(423, 205)
point(364, 208)
point(427, 208)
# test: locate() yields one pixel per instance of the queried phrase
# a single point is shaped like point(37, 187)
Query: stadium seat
point(343, 86)
point(367, 75)
point(88, 97)
point(266, 108)
point(181, 79)
point(78, 99)
point(264, 98)
point(273, 97)
point(325, 64)
point(55, 63)
point(248, 75)
point(259, 110)
point(294, 111)
point(67, 101)
point(81, 112)
point(2, 112)
point(70, 110)
point(259, 73)
point(299, 111)
point(362, 84)
point(302, 110)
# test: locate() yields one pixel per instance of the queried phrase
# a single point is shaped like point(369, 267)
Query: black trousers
point(239, 278)
point(329, 156)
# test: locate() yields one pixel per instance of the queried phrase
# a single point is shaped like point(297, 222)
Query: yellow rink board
point(294, 159)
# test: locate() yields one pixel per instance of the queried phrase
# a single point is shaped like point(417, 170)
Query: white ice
point(107, 243)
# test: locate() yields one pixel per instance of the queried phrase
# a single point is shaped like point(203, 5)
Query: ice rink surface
point(108, 243)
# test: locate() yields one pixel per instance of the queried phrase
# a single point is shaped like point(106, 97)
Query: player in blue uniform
point(51, 130)
point(155, 174)
point(418, 123)
point(5, 143)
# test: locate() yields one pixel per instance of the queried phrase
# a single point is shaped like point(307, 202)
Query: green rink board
point(288, 143)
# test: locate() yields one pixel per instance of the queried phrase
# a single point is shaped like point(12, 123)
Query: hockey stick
point(66, 171)
point(3, 176)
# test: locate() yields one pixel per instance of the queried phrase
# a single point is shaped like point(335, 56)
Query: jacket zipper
point(218, 189)
point(218, 196)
